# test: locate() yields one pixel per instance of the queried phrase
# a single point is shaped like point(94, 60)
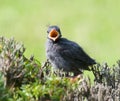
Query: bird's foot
point(74, 79)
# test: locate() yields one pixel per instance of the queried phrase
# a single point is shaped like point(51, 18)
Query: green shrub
point(23, 79)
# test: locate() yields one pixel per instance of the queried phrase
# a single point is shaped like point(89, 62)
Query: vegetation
point(23, 79)
point(94, 24)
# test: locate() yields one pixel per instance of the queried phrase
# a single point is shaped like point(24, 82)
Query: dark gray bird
point(65, 54)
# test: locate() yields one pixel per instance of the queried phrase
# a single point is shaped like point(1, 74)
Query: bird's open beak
point(53, 35)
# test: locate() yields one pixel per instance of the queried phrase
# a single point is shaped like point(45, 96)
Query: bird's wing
point(71, 50)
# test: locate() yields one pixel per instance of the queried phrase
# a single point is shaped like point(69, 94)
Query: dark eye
point(59, 30)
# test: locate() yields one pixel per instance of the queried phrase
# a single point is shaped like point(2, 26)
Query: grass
point(92, 24)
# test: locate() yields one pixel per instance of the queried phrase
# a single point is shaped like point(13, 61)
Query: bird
point(64, 54)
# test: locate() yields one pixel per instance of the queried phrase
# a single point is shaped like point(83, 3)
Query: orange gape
point(53, 34)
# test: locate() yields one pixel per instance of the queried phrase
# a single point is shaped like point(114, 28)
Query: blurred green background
point(94, 24)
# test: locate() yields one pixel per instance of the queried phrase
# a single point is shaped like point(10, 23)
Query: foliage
point(23, 79)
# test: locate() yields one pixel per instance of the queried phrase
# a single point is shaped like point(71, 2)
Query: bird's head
point(54, 33)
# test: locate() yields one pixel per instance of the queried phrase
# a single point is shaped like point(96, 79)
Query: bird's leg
point(75, 78)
